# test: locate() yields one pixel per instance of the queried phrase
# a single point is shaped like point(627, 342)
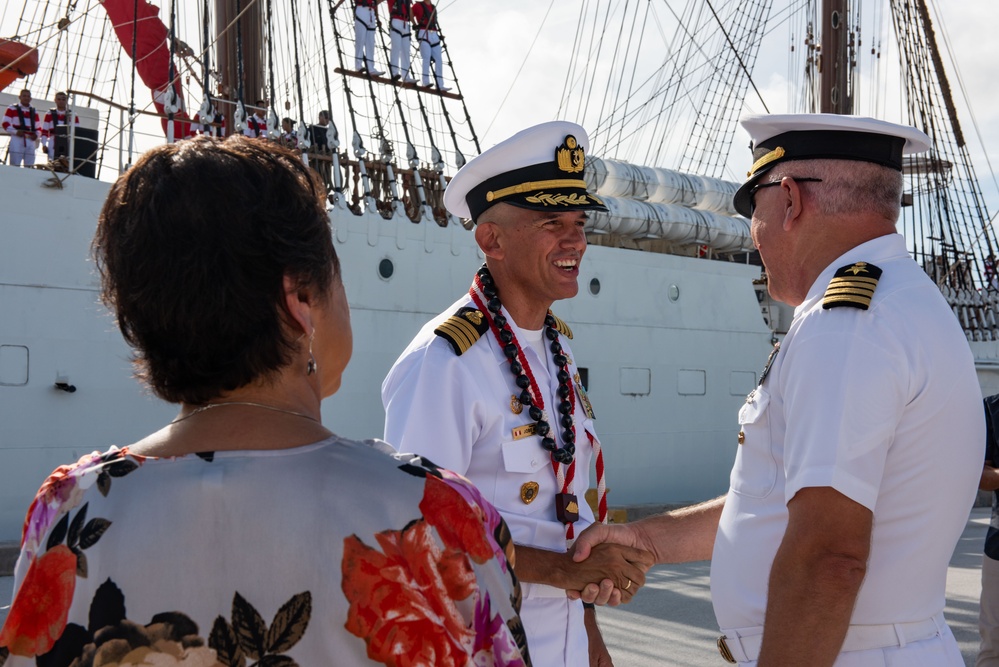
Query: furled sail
point(658, 203)
point(139, 21)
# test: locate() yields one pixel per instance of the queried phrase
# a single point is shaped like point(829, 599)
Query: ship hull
point(670, 345)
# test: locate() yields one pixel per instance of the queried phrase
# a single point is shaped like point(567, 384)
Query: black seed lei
point(521, 379)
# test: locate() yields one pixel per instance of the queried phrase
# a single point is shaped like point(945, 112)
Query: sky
point(503, 97)
point(511, 57)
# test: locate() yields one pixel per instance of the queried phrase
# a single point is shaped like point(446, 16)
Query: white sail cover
point(657, 203)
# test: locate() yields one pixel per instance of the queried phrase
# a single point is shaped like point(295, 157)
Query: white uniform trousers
point(556, 635)
point(49, 147)
point(21, 150)
point(988, 616)
point(430, 49)
point(364, 38)
point(401, 37)
point(939, 651)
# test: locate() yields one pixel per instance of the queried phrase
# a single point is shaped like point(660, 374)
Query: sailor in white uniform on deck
point(54, 118)
point(860, 451)
point(490, 388)
point(21, 122)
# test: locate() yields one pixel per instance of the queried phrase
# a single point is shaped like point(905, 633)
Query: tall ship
point(672, 323)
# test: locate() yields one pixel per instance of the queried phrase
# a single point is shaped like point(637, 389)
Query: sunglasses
point(753, 190)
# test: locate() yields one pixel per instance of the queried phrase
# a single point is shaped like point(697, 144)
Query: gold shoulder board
point(463, 328)
point(562, 327)
point(852, 286)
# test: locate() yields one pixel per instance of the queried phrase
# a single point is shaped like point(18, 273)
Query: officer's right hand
point(624, 566)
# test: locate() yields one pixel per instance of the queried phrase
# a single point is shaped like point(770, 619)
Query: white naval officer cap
point(538, 168)
point(777, 138)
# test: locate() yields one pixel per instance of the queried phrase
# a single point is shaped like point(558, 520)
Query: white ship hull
point(671, 345)
point(665, 374)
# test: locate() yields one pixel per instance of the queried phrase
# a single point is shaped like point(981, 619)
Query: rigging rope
point(171, 91)
point(239, 57)
point(131, 101)
point(457, 84)
point(516, 76)
point(735, 52)
point(336, 181)
point(298, 70)
point(271, 101)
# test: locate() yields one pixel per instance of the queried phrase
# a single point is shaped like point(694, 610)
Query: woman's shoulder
point(64, 489)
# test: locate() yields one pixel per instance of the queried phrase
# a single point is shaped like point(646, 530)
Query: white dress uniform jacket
point(456, 411)
point(884, 406)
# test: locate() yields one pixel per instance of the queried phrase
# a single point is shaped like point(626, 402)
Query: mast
point(835, 63)
point(250, 30)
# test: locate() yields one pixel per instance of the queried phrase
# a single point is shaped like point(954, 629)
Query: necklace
point(486, 298)
point(209, 406)
point(563, 465)
point(531, 395)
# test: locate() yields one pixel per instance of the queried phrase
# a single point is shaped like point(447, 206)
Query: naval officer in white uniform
point(490, 388)
point(860, 450)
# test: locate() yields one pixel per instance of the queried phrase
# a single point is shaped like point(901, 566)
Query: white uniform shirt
point(882, 405)
point(456, 411)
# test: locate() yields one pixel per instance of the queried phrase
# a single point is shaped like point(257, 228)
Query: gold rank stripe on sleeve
point(852, 286)
point(561, 326)
point(463, 329)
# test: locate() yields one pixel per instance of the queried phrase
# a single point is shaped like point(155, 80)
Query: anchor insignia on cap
point(569, 156)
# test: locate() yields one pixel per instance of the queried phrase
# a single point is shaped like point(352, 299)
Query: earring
point(310, 369)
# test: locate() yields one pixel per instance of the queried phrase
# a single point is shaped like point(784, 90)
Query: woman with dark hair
point(244, 529)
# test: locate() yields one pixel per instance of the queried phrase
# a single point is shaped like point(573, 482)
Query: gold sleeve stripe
point(535, 185)
point(859, 280)
point(864, 301)
point(460, 332)
point(867, 294)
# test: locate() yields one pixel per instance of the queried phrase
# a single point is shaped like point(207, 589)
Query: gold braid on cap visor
point(535, 185)
point(775, 154)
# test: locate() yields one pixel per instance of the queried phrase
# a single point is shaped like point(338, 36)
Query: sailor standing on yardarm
point(490, 388)
point(429, 37)
point(400, 34)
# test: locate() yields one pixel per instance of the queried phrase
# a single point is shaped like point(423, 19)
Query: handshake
point(608, 565)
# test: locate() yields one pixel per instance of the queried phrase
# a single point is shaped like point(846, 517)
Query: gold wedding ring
point(628, 586)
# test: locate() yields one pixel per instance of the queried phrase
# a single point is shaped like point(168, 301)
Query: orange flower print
point(38, 615)
point(403, 600)
point(462, 518)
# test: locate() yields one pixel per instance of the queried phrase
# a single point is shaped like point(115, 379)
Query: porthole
point(674, 292)
point(595, 286)
point(386, 268)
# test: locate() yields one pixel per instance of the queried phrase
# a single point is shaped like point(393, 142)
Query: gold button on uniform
point(742, 437)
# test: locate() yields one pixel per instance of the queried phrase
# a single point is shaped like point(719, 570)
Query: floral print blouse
point(336, 553)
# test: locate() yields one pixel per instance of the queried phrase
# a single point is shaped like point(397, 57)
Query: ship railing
point(977, 311)
point(406, 199)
